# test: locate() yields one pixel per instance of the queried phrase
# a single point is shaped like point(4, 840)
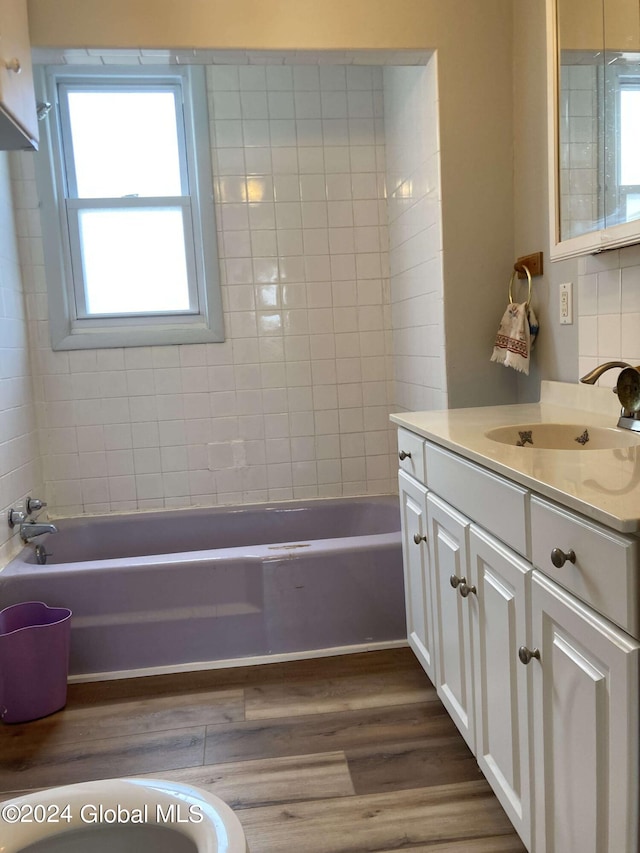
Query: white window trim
point(69, 331)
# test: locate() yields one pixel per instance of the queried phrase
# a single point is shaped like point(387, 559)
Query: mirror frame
point(593, 242)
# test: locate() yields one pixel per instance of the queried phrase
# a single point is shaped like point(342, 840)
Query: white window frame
point(70, 325)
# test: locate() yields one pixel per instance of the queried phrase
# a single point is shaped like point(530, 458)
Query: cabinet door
point(417, 582)
point(501, 691)
point(585, 712)
point(449, 532)
point(18, 121)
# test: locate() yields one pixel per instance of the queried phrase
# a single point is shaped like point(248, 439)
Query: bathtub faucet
point(30, 529)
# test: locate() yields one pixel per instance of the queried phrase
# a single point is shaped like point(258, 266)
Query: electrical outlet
point(566, 304)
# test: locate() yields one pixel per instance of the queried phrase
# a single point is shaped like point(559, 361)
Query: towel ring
point(513, 276)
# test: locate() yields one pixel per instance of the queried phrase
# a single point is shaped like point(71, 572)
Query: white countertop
point(602, 484)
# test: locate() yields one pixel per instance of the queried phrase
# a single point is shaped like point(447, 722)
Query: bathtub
point(191, 589)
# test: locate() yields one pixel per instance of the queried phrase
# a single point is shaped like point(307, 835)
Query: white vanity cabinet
point(417, 580)
point(585, 717)
point(449, 538)
point(498, 608)
point(543, 687)
point(480, 596)
point(18, 119)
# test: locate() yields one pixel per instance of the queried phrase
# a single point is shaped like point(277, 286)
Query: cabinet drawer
point(494, 503)
point(411, 454)
point(605, 568)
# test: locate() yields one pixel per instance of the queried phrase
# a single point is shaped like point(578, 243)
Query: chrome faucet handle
point(34, 505)
point(16, 516)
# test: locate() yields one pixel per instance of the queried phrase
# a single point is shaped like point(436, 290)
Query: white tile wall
point(415, 243)
point(609, 310)
point(19, 454)
point(295, 403)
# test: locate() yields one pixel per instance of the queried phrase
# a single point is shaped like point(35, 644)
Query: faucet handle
point(16, 516)
point(34, 505)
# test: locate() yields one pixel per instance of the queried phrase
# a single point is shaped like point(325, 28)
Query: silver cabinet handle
point(559, 558)
point(403, 455)
point(465, 590)
point(13, 65)
point(526, 654)
point(455, 581)
point(418, 539)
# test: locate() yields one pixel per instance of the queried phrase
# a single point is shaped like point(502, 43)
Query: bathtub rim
point(262, 553)
point(163, 558)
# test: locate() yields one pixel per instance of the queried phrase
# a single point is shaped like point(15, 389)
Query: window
point(620, 120)
point(629, 179)
point(125, 181)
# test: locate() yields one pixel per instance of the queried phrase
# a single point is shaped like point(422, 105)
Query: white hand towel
point(516, 336)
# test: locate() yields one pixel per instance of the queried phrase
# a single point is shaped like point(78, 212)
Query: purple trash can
point(34, 660)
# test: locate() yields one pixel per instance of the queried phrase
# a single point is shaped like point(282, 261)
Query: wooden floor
point(352, 753)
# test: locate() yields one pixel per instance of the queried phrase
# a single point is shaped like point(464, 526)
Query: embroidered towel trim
point(516, 336)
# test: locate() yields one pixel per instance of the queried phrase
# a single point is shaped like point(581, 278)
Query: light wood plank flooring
point(335, 755)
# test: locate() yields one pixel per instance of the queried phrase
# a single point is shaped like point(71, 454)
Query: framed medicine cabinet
point(593, 49)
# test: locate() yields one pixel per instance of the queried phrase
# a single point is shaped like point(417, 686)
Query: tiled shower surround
point(295, 403)
point(415, 239)
point(19, 453)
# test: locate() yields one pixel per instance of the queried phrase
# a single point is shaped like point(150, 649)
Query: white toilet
point(120, 816)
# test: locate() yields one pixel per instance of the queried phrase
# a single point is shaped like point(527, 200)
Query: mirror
point(594, 47)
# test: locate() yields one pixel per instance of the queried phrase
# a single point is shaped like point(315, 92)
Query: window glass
point(124, 143)
point(629, 135)
point(633, 206)
point(134, 261)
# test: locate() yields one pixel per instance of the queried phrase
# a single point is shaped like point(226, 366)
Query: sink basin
point(549, 436)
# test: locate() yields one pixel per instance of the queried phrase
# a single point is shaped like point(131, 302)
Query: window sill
point(137, 336)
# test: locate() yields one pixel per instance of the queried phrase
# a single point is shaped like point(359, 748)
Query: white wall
point(556, 351)
point(19, 454)
point(415, 238)
point(295, 403)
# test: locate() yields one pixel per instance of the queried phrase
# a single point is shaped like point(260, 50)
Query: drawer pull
point(455, 581)
point(526, 654)
point(465, 590)
point(559, 558)
point(418, 539)
point(403, 455)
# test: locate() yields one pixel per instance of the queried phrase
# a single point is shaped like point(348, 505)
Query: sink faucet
point(30, 529)
point(592, 377)
point(627, 388)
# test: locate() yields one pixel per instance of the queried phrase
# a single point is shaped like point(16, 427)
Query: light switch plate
point(566, 304)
